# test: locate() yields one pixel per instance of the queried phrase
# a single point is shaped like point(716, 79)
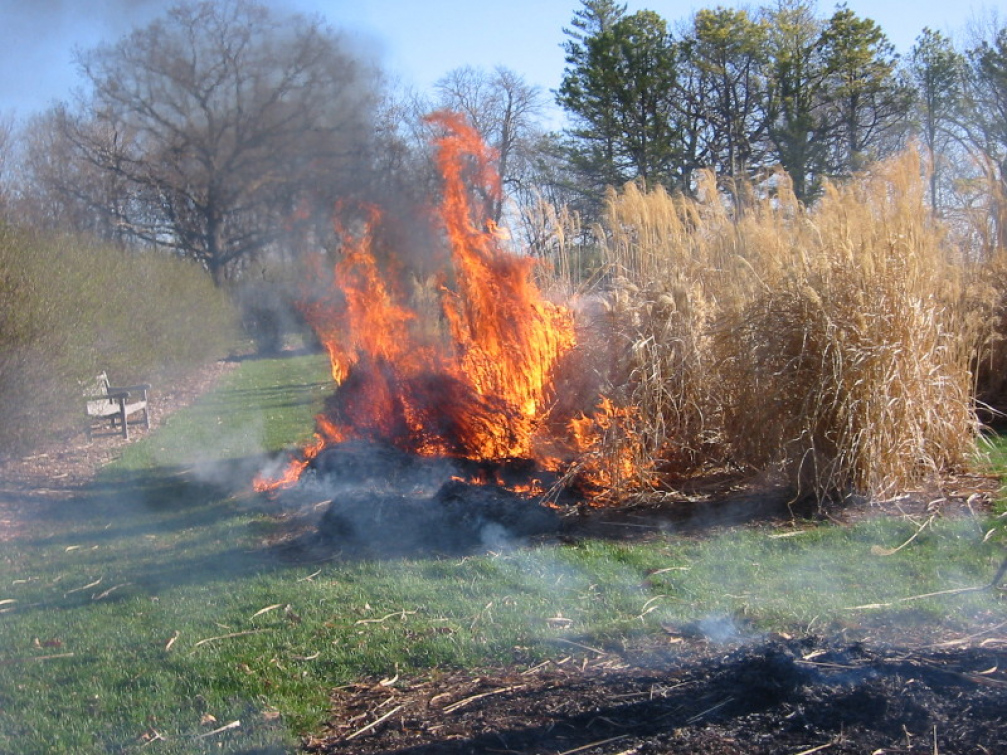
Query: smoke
point(38, 39)
point(369, 500)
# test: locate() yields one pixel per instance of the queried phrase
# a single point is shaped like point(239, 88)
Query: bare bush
point(70, 309)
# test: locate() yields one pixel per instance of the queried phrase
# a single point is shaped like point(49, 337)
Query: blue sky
point(416, 41)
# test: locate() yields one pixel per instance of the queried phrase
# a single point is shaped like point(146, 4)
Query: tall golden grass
point(832, 345)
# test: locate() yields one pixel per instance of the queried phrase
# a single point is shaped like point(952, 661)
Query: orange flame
point(292, 472)
point(609, 462)
point(480, 388)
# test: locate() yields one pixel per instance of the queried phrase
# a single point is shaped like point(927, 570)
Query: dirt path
point(30, 486)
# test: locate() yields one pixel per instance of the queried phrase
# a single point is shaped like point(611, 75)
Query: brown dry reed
point(832, 345)
point(984, 226)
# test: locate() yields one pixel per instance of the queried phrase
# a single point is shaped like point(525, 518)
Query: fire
point(611, 455)
point(292, 473)
point(476, 382)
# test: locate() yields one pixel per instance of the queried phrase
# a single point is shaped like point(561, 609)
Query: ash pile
point(388, 503)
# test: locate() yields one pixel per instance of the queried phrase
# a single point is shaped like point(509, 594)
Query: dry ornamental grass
point(833, 345)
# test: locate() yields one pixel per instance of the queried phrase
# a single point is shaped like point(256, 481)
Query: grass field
point(150, 613)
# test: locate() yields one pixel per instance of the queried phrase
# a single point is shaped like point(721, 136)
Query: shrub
point(70, 309)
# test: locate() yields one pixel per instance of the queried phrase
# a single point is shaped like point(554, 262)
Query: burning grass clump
point(831, 344)
point(661, 418)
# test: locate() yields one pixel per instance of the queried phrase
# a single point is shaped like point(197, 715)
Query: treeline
point(227, 132)
point(743, 93)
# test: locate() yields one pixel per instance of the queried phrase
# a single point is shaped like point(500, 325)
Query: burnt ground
point(854, 689)
point(774, 695)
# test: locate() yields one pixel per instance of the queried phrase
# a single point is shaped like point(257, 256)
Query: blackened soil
point(773, 696)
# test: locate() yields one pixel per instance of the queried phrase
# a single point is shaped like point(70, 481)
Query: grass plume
point(832, 344)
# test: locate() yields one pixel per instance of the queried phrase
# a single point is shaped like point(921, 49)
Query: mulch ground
point(768, 696)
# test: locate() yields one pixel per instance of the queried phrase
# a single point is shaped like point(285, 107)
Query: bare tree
point(986, 126)
point(57, 186)
point(505, 110)
point(937, 72)
point(221, 119)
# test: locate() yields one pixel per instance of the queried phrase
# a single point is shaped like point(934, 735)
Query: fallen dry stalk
point(878, 550)
point(225, 727)
point(401, 614)
point(599, 743)
point(153, 736)
point(229, 636)
point(171, 642)
point(109, 591)
point(815, 749)
point(85, 587)
point(964, 640)
point(956, 591)
point(372, 724)
point(462, 703)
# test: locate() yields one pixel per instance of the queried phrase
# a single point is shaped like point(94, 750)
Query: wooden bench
point(116, 404)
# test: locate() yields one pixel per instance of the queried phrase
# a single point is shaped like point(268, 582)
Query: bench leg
point(122, 418)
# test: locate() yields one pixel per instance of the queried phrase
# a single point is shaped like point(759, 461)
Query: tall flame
point(477, 385)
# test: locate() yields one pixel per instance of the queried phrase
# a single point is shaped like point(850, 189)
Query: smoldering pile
point(384, 502)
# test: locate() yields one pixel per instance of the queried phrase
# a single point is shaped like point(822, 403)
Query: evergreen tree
point(620, 94)
point(936, 71)
point(868, 103)
point(580, 94)
point(726, 49)
point(796, 122)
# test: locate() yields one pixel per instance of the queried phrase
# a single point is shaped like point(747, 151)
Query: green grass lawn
point(150, 611)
